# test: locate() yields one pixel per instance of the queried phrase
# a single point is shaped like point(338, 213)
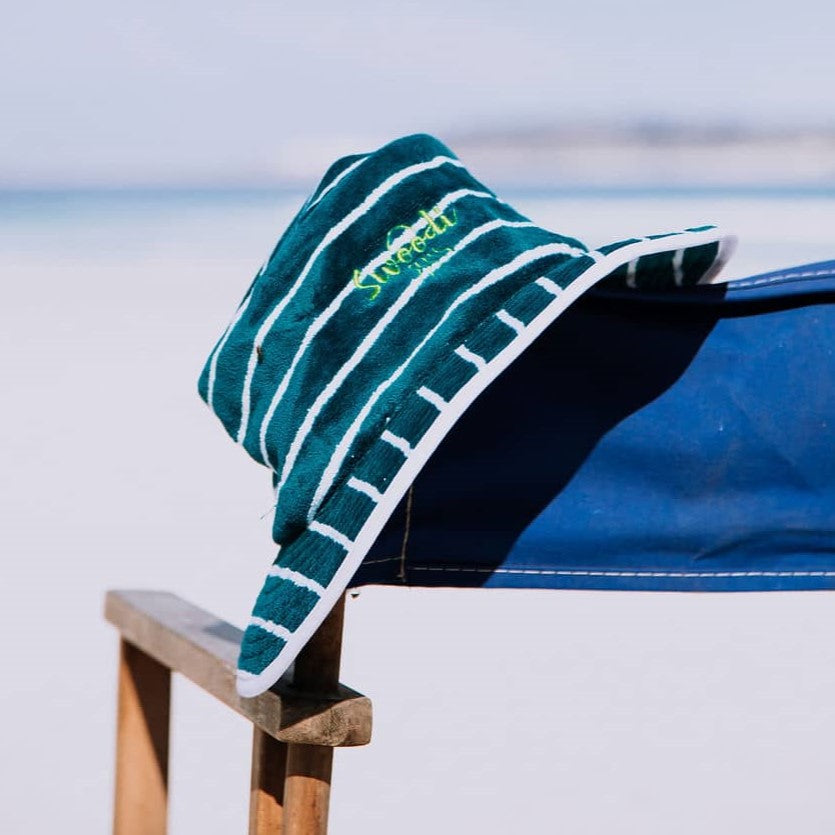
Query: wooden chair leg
point(266, 796)
point(307, 789)
point(144, 704)
point(308, 783)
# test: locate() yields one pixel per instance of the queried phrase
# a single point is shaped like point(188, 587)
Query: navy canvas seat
point(691, 448)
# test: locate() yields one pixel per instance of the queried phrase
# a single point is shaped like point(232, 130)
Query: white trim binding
point(727, 247)
point(252, 686)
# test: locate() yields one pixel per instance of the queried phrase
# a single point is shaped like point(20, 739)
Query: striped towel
point(398, 293)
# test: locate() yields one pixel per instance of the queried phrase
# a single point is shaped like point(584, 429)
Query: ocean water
point(597, 712)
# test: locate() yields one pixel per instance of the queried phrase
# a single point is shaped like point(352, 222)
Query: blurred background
point(149, 158)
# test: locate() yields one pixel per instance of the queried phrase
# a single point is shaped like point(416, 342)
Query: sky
point(187, 92)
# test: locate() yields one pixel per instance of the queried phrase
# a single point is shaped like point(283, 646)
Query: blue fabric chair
point(691, 450)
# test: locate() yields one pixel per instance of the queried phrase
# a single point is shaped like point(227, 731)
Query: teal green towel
point(398, 293)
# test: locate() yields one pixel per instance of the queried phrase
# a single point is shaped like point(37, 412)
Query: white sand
point(606, 713)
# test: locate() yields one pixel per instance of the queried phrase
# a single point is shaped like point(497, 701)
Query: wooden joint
point(312, 710)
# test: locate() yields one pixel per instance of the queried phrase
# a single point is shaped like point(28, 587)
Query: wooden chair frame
point(296, 724)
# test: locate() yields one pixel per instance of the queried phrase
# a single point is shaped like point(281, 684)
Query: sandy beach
point(116, 475)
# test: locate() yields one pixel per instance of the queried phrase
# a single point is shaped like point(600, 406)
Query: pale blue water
point(779, 225)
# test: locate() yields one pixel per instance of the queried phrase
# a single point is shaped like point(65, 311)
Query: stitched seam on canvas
point(776, 279)
point(592, 573)
point(401, 575)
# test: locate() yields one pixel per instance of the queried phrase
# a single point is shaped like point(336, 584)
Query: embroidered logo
point(408, 253)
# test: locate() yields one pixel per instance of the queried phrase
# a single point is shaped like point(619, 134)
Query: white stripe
point(372, 336)
point(432, 397)
point(332, 533)
point(494, 276)
point(678, 262)
point(210, 393)
point(337, 180)
point(551, 286)
point(297, 578)
point(318, 323)
point(325, 316)
point(511, 321)
point(273, 628)
point(397, 442)
point(631, 270)
point(466, 354)
point(364, 487)
point(333, 233)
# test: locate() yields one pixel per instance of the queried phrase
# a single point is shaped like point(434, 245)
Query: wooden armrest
point(204, 648)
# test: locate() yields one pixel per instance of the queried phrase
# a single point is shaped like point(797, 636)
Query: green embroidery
point(415, 256)
point(374, 288)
